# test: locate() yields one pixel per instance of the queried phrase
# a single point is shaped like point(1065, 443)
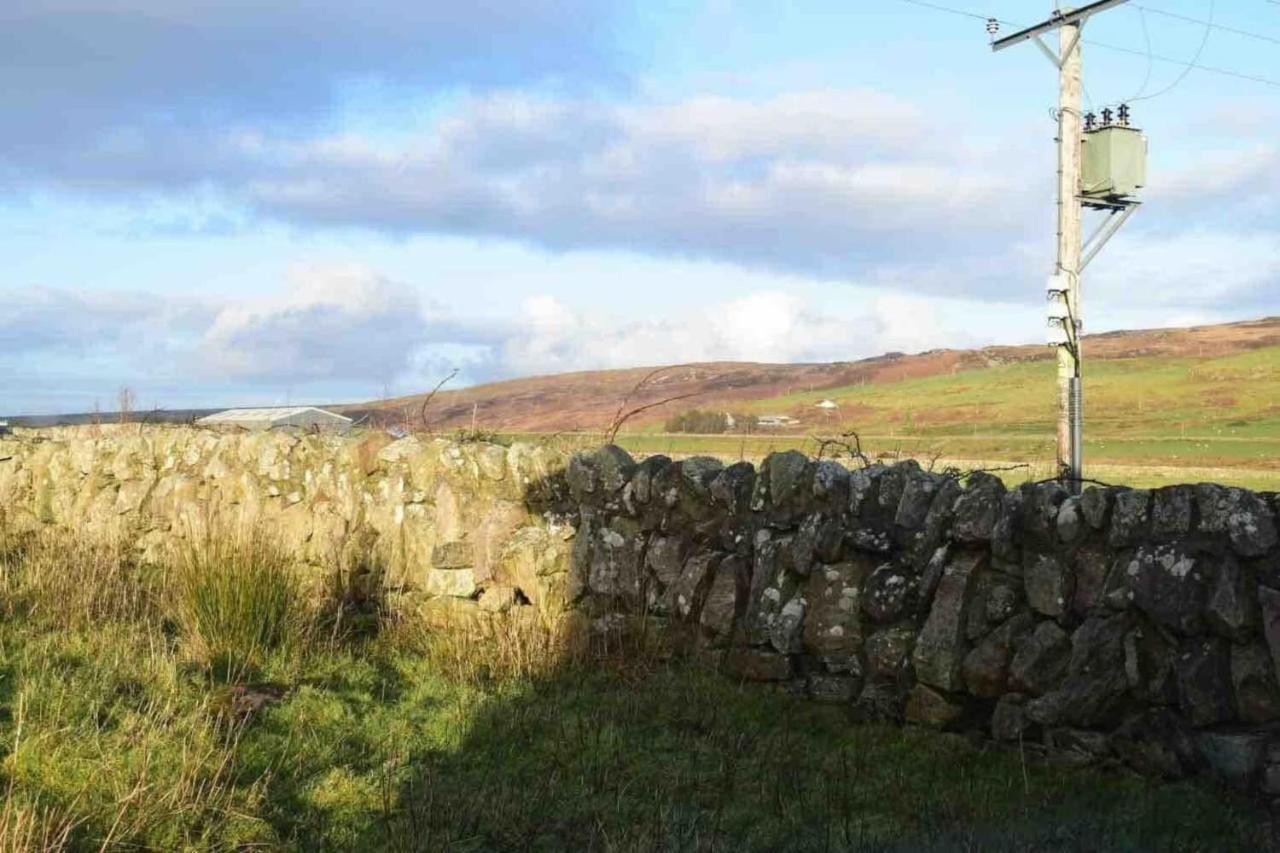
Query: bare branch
point(623, 415)
point(422, 410)
point(849, 443)
point(619, 421)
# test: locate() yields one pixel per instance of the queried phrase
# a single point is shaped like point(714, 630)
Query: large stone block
point(615, 559)
point(732, 487)
point(1232, 609)
point(941, 648)
point(1257, 694)
point(784, 488)
point(1204, 682)
point(1171, 511)
point(978, 509)
point(917, 497)
point(686, 595)
point(833, 629)
point(891, 592)
point(1130, 518)
point(457, 583)
point(725, 598)
point(986, 667)
point(888, 652)
point(1169, 585)
point(1048, 583)
point(1095, 685)
point(929, 707)
point(1041, 660)
point(1095, 505)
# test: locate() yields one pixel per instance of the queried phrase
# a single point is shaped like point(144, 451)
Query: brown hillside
point(588, 400)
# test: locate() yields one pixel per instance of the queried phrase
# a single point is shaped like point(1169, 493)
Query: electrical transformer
point(1114, 167)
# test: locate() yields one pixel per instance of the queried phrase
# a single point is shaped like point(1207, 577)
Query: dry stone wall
point(1123, 624)
point(463, 523)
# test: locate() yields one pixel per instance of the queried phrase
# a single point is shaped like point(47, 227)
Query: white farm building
point(306, 417)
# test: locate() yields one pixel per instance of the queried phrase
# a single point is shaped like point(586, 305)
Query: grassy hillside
point(589, 400)
point(1149, 419)
point(1161, 405)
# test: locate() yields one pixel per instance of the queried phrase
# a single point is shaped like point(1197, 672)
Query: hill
point(1162, 406)
point(589, 400)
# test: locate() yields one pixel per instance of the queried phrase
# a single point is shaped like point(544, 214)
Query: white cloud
point(1195, 270)
point(765, 326)
point(331, 323)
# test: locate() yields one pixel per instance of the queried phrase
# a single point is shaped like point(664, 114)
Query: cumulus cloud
point(330, 323)
point(765, 326)
point(41, 320)
point(1195, 270)
point(93, 76)
point(341, 330)
point(844, 182)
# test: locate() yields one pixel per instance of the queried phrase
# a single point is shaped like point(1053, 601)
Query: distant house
point(306, 417)
point(4, 428)
point(776, 421)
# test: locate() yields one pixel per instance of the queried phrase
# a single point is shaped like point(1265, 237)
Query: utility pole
point(1064, 286)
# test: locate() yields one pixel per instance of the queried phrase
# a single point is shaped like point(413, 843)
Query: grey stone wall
point(1124, 624)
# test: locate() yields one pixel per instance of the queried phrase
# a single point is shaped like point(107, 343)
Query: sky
point(221, 202)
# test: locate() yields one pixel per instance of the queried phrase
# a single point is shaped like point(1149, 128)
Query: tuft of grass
point(495, 649)
point(237, 598)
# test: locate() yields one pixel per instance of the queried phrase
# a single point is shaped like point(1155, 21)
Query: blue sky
point(223, 202)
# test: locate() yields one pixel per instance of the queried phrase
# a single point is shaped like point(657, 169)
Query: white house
point(776, 421)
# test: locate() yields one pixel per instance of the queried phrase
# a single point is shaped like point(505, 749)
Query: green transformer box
point(1114, 167)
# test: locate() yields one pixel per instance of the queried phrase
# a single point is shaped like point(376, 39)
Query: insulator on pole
point(993, 27)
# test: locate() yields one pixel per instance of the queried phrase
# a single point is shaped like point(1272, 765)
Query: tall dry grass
point(51, 577)
point(28, 829)
point(494, 648)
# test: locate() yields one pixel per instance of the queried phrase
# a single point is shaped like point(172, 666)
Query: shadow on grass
point(682, 759)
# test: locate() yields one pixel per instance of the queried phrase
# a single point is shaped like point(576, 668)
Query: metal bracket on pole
point(1053, 57)
point(1056, 58)
point(1059, 19)
point(1106, 231)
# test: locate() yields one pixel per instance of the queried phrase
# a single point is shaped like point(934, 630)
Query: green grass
point(236, 598)
point(1149, 421)
point(114, 732)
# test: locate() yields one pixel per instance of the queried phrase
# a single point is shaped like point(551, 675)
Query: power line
point(1212, 24)
point(1208, 31)
point(1226, 72)
point(1266, 81)
point(941, 8)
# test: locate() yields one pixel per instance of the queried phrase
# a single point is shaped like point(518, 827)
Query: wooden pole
point(1070, 238)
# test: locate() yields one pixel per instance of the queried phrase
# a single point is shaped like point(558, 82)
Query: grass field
point(1149, 421)
point(140, 709)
